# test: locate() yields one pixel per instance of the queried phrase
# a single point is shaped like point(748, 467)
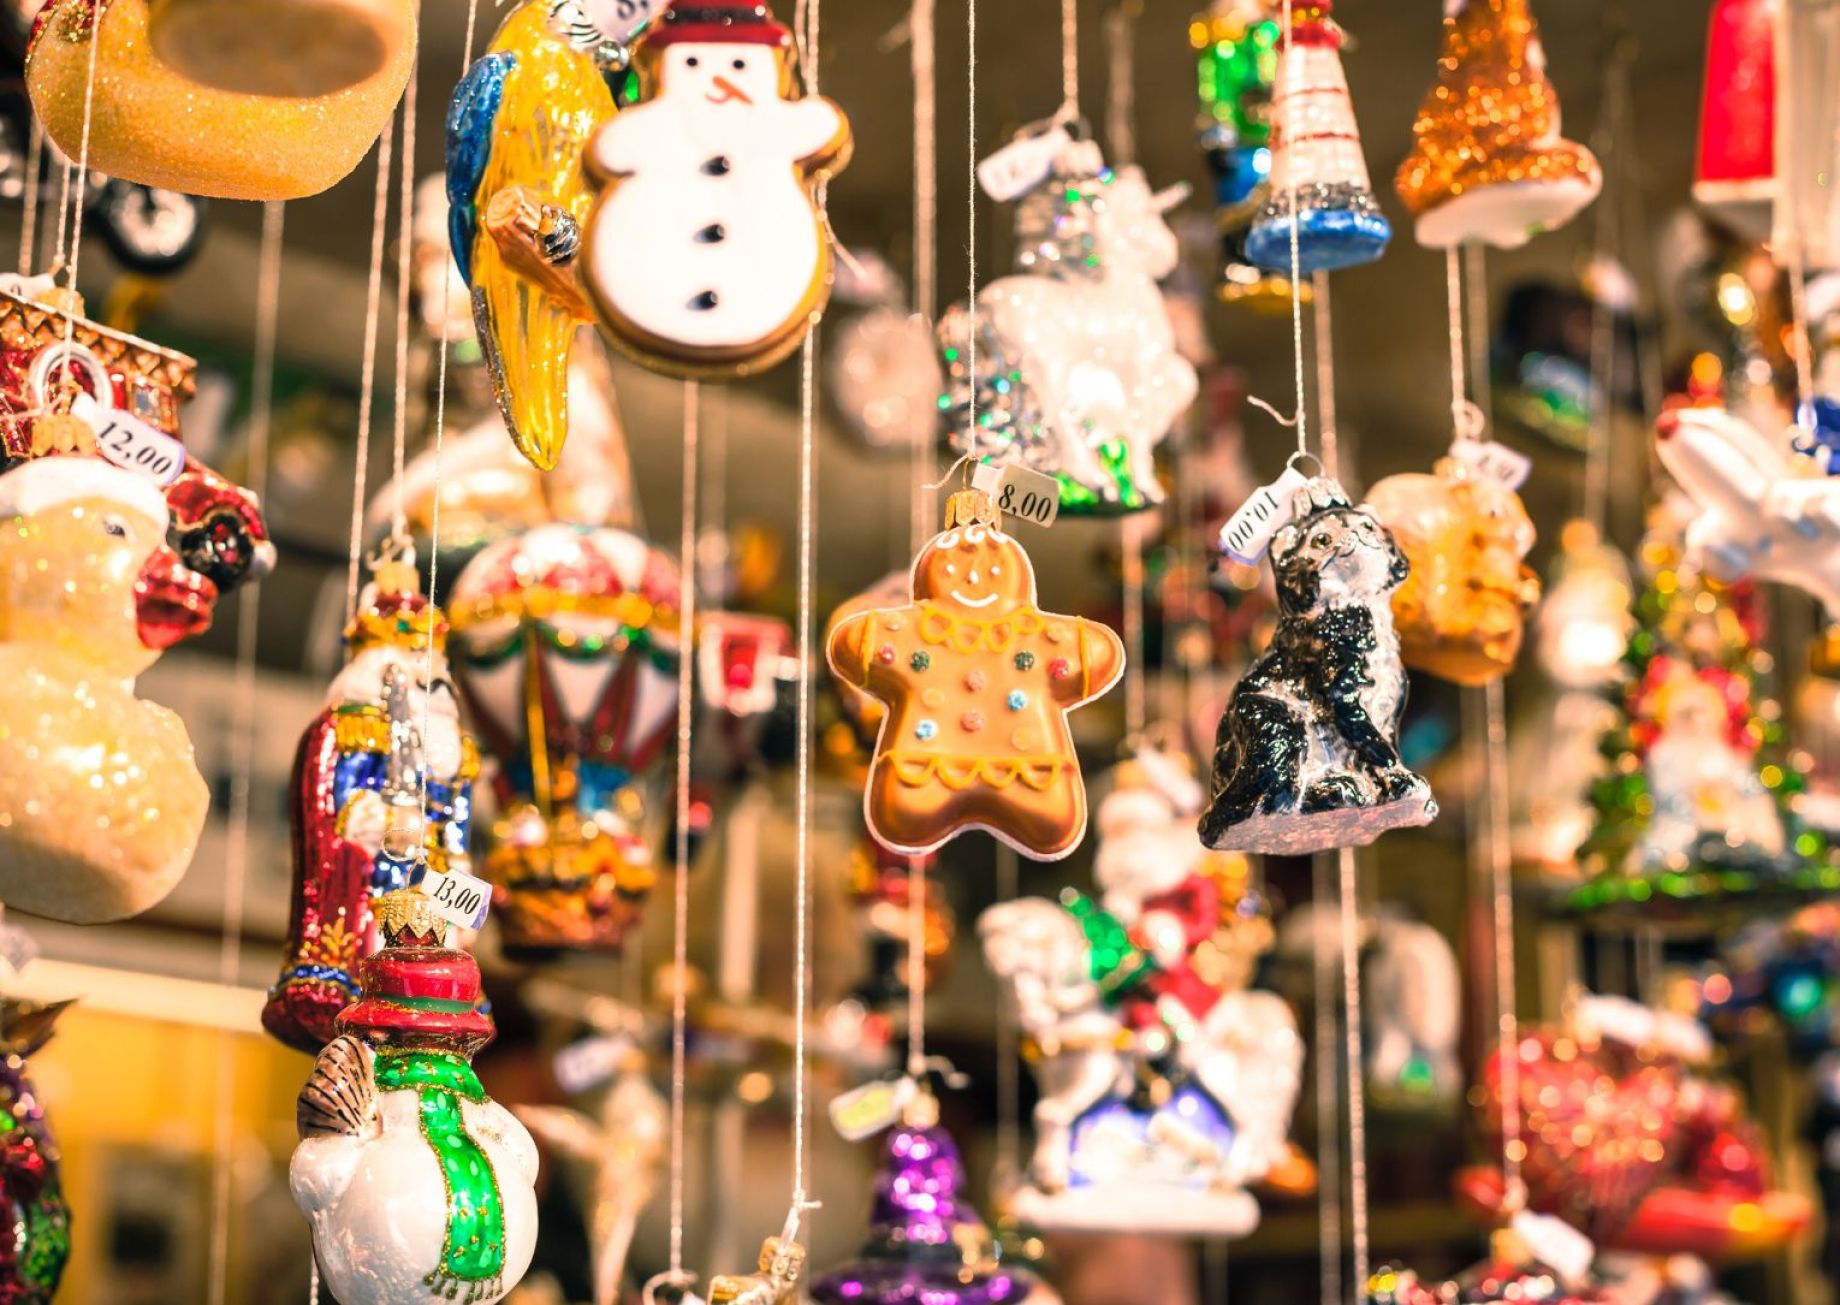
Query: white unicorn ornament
point(1075, 371)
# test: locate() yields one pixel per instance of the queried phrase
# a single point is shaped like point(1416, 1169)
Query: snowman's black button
point(718, 166)
point(705, 301)
point(713, 234)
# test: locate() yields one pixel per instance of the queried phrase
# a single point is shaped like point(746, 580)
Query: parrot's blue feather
point(471, 117)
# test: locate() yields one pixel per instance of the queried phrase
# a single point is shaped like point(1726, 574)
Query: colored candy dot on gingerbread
point(1017, 700)
point(971, 722)
point(885, 654)
point(926, 730)
point(1025, 661)
point(1059, 668)
point(920, 661)
point(975, 679)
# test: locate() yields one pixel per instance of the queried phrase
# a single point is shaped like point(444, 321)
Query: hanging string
point(1324, 326)
point(1121, 82)
point(1800, 346)
point(1462, 424)
point(1131, 540)
point(59, 233)
point(1477, 298)
point(923, 34)
point(1070, 59)
point(1607, 240)
point(82, 166)
point(242, 732)
point(367, 385)
point(680, 895)
point(28, 230)
point(971, 189)
point(1288, 128)
point(312, 1279)
point(1357, 1092)
point(1328, 1086)
point(1501, 869)
point(1009, 1079)
point(405, 242)
point(916, 968)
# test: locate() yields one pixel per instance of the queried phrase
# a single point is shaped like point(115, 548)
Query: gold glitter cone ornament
point(101, 803)
point(1489, 163)
point(218, 97)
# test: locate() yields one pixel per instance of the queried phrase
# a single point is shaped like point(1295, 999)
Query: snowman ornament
point(706, 254)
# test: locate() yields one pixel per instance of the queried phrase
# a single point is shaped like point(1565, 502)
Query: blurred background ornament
point(885, 378)
point(382, 785)
point(192, 96)
point(926, 1241)
point(1078, 376)
point(516, 131)
point(395, 1091)
point(35, 1243)
point(1534, 1260)
point(1735, 177)
point(1806, 225)
point(565, 647)
point(1460, 612)
point(1488, 163)
point(1316, 157)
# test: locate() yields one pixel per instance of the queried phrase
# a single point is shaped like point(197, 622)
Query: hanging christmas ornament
point(1167, 1083)
point(565, 647)
point(68, 384)
point(720, 160)
point(1488, 163)
point(926, 1241)
point(36, 1243)
point(382, 785)
point(516, 129)
point(977, 681)
point(885, 377)
point(781, 1261)
point(196, 96)
point(1535, 1260)
point(1735, 175)
point(418, 1186)
point(1629, 1143)
point(1076, 373)
point(1459, 613)
point(619, 1153)
point(1758, 516)
point(1316, 159)
point(1307, 756)
point(101, 803)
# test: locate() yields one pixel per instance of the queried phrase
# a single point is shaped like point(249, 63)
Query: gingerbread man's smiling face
point(977, 571)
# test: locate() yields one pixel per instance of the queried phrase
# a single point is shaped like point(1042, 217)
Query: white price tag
point(590, 1062)
point(1021, 165)
point(131, 443)
point(1020, 491)
point(1490, 461)
point(1556, 1244)
point(460, 898)
point(861, 1113)
point(1248, 533)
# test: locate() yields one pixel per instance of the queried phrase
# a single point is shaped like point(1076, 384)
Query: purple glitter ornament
point(926, 1246)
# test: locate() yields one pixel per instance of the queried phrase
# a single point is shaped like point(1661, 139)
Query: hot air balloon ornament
point(419, 1187)
point(565, 647)
point(1077, 374)
point(1316, 158)
point(516, 130)
point(382, 785)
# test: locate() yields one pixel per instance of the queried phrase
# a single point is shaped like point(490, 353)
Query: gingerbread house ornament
point(978, 681)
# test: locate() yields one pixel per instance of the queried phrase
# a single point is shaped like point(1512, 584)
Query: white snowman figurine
point(419, 1187)
point(705, 253)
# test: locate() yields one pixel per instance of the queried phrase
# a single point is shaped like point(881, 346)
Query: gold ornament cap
point(393, 612)
point(407, 918)
point(970, 507)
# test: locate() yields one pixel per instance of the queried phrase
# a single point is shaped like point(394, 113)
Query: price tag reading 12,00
point(131, 443)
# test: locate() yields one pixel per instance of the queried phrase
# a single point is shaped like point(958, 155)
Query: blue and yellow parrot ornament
point(516, 129)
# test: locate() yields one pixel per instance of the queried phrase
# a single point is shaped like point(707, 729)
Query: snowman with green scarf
point(418, 1186)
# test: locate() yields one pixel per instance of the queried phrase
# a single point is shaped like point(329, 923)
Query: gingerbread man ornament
point(978, 682)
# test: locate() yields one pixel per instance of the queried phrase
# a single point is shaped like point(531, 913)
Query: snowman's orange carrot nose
point(729, 90)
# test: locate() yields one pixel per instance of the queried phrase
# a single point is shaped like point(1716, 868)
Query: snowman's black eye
point(740, 65)
point(115, 526)
point(692, 61)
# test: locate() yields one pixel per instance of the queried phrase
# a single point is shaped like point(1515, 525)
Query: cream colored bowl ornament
point(220, 97)
point(101, 803)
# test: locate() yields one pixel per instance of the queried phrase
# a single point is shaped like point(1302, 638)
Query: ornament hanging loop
point(1470, 421)
point(648, 1294)
point(1289, 423)
point(952, 471)
point(1300, 456)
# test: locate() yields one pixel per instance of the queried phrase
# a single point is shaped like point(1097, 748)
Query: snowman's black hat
point(719, 22)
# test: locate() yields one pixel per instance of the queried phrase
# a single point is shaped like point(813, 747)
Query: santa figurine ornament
point(707, 254)
point(978, 682)
point(1734, 176)
point(1488, 164)
point(1306, 758)
point(382, 784)
point(1316, 161)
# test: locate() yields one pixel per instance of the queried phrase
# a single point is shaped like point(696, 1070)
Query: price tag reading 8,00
point(1021, 492)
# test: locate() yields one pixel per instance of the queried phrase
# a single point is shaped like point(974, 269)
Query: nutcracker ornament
point(1735, 173)
point(516, 130)
point(1307, 757)
point(1629, 1142)
point(1488, 164)
point(926, 1241)
point(1316, 160)
point(565, 648)
point(36, 1243)
point(1461, 610)
point(1167, 1083)
point(722, 160)
point(418, 1186)
point(1077, 373)
point(382, 785)
point(196, 96)
point(101, 802)
point(977, 681)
